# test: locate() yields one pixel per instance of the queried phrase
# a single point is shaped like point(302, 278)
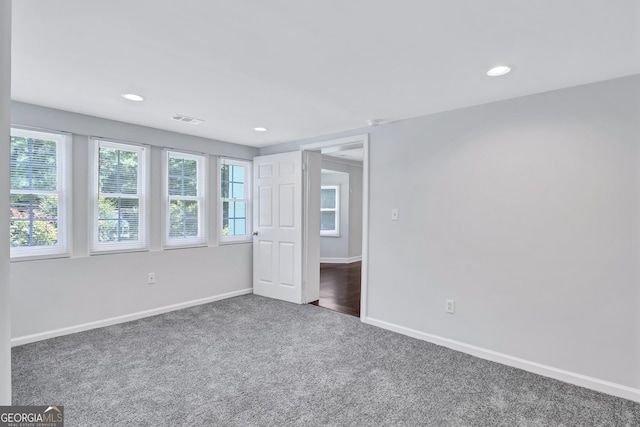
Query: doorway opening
point(343, 231)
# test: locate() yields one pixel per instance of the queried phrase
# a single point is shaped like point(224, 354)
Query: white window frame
point(247, 199)
point(201, 238)
point(143, 242)
point(63, 191)
point(336, 231)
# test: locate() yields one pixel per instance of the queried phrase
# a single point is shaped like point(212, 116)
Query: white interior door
point(277, 226)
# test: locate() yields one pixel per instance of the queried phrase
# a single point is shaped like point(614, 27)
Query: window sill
point(40, 257)
point(234, 242)
point(191, 246)
point(118, 251)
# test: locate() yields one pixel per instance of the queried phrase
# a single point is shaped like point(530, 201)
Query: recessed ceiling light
point(500, 70)
point(260, 129)
point(132, 97)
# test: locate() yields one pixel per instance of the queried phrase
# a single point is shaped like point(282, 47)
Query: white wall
point(50, 295)
point(524, 211)
point(349, 245)
point(5, 306)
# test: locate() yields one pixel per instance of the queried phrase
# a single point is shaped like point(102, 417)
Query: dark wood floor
point(340, 287)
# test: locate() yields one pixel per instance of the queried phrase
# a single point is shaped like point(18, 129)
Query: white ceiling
point(354, 153)
point(304, 68)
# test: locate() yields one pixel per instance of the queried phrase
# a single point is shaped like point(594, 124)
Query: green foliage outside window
point(183, 218)
point(33, 220)
point(117, 219)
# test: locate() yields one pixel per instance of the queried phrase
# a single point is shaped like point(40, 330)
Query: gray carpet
point(253, 361)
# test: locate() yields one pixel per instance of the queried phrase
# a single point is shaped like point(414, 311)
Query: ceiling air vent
point(186, 119)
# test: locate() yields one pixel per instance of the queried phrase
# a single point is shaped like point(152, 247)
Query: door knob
point(255, 233)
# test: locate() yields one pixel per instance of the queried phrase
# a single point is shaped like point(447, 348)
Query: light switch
point(394, 214)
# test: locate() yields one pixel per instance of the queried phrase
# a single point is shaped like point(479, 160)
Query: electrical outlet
point(451, 306)
point(394, 214)
point(152, 278)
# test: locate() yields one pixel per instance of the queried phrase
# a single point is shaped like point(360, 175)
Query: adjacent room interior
point(326, 213)
point(341, 229)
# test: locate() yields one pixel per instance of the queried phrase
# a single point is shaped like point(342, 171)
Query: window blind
point(120, 197)
point(185, 206)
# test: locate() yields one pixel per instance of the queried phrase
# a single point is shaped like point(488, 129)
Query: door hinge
point(304, 166)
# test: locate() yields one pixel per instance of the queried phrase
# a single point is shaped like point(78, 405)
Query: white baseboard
point(596, 384)
point(329, 260)
point(122, 319)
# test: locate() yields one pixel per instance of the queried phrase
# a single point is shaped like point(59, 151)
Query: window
point(234, 197)
point(185, 199)
point(330, 210)
point(39, 208)
point(120, 192)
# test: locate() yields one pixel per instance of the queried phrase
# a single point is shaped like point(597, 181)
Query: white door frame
point(355, 139)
